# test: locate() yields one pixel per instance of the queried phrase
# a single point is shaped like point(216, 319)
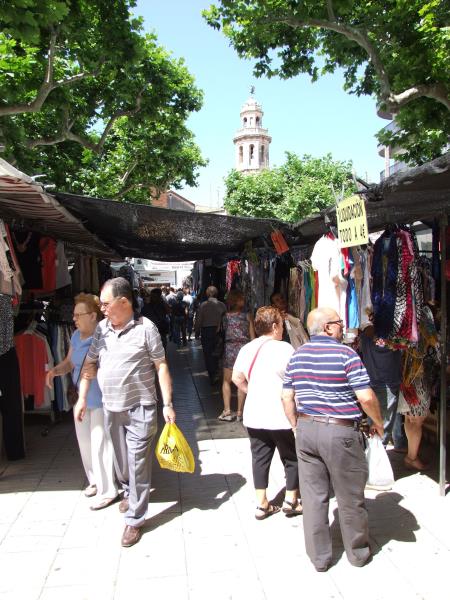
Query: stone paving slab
point(200, 539)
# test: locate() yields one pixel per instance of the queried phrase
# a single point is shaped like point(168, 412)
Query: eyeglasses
point(338, 322)
point(77, 315)
point(108, 304)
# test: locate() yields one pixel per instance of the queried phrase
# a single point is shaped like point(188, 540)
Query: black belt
point(330, 420)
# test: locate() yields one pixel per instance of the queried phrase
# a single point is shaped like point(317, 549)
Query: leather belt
point(329, 420)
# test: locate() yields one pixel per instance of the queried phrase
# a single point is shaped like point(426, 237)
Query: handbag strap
point(254, 358)
point(81, 368)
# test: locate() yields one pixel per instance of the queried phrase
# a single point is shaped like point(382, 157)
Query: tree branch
point(436, 91)
point(128, 172)
point(117, 115)
point(130, 187)
point(67, 134)
point(351, 33)
point(393, 102)
point(47, 86)
point(330, 10)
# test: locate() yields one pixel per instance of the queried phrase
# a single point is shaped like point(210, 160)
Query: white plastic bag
point(381, 476)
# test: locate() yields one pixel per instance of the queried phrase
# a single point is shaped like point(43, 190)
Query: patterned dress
point(237, 334)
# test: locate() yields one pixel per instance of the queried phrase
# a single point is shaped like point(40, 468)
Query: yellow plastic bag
point(173, 452)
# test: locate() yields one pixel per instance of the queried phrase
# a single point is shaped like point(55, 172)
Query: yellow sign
point(352, 222)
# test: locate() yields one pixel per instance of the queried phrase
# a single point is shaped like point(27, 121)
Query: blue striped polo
point(325, 375)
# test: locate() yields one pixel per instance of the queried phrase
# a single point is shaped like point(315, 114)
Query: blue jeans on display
point(388, 398)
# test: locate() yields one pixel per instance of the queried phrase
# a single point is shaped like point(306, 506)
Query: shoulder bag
point(72, 388)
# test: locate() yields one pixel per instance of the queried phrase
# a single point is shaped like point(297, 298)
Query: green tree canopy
point(91, 101)
point(397, 51)
point(297, 189)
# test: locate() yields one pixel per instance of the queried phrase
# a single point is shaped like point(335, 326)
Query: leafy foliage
point(91, 101)
point(397, 51)
point(297, 189)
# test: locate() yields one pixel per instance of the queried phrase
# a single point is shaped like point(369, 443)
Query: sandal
point(104, 503)
point(226, 416)
point(415, 465)
point(266, 512)
point(293, 508)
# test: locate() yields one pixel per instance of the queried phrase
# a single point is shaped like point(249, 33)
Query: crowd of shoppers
point(302, 395)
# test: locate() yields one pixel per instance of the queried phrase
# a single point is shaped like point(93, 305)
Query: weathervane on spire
point(252, 90)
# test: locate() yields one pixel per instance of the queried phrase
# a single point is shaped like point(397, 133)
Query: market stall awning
point(163, 234)
point(416, 194)
point(25, 203)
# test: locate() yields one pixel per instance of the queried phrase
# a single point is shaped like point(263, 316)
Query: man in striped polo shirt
point(324, 384)
point(125, 354)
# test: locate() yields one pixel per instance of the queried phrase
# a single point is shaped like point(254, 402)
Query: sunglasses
point(338, 322)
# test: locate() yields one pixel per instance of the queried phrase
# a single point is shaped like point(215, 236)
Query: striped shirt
point(125, 360)
point(325, 375)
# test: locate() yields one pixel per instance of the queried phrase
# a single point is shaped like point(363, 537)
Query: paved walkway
point(201, 540)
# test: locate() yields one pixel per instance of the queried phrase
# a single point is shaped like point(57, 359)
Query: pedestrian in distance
point(126, 352)
point(208, 322)
point(238, 331)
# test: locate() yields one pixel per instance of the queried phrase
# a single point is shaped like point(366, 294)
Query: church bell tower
point(251, 141)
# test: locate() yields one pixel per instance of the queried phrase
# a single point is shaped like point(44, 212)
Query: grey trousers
point(132, 433)
point(332, 453)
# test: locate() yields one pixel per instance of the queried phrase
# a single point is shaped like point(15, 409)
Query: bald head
point(319, 318)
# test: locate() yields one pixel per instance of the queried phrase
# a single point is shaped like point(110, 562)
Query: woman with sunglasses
point(95, 445)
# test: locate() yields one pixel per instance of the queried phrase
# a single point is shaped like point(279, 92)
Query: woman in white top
point(258, 371)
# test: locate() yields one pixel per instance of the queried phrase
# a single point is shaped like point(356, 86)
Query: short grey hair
point(317, 319)
point(212, 291)
point(121, 288)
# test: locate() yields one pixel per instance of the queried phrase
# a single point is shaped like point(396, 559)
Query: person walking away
point(323, 385)
point(157, 310)
point(384, 367)
point(127, 352)
point(189, 301)
point(96, 449)
point(293, 330)
point(207, 324)
point(171, 298)
point(238, 331)
point(258, 372)
point(179, 315)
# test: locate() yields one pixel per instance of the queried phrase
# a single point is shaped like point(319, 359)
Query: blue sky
point(301, 117)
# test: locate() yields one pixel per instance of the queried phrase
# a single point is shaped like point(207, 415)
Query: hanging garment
point(326, 260)
point(62, 267)
point(35, 359)
point(29, 257)
point(385, 275)
point(233, 268)
point(11, 406)
point(47, 247)
point(364, 296)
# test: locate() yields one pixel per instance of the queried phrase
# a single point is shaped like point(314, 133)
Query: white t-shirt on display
point(263, 408)
point(326, 260)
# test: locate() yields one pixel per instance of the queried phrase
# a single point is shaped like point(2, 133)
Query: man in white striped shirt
point(125, 354)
